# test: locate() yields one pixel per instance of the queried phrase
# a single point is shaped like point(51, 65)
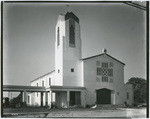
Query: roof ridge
point(42, 75)
point(100, 55)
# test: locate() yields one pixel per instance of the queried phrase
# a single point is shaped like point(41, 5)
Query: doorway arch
point(103, 96)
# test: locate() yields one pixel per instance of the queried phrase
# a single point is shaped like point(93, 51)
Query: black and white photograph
point(74, 59)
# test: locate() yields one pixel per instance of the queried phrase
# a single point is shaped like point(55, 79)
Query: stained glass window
point(105, 70)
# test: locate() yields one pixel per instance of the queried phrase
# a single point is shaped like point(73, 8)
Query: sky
point(29, 37)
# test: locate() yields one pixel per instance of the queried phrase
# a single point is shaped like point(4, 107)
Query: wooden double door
point(103, 96)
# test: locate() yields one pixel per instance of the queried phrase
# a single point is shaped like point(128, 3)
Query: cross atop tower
point(68, 8)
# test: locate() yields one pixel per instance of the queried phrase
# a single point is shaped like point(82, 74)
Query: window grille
point(104, 79)
point(105, 71)
point(72, 36)
point(110, 72)
point(99, 71)
point(71, 33)
point(104, 65)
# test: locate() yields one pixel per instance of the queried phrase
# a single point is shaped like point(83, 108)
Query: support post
point(113, 97)
point(46, 99)
point(24, 98)
point(21, 104)
point(41, 99)
point(68, 98)
point(83, 98)
point(50, 94)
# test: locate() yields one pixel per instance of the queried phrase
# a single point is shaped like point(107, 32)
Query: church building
point(75, 81)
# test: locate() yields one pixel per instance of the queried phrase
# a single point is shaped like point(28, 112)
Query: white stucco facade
point(92, 84)
point(77, 81)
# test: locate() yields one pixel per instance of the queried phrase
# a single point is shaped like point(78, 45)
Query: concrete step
point(108, 106)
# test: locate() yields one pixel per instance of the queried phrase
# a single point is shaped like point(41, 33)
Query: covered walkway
point(23, 90)
point(63, 96)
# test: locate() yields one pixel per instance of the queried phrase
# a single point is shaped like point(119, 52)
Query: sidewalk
point(87, 112)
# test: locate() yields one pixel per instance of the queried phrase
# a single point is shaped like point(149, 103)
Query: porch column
point(41, 99)
point(83, 98)
point(68, 98)
point(24, 98)
point(113, 97)
point(46, 99)
point(50, 94)
point(21, 93)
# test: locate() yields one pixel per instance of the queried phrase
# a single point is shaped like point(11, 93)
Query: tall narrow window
point(104, 65)
point(99, 71)
point(49, 81)
point(58, 40)
point(72, 36)
point(42, 83)
point(110, 72)
point(37, 92)
point(104, 79)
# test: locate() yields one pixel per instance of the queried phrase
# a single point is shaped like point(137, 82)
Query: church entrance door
point(103, 96)
point(75, 98)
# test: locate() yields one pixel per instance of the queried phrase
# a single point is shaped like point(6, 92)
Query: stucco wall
point(36, 98)
point(92, 85)
point(59, 50)
point(129, 89)
point(71, 58)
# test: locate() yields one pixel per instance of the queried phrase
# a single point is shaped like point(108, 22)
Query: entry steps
point(107, 106)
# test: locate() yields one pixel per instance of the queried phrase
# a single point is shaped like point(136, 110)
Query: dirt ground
point(86, 112)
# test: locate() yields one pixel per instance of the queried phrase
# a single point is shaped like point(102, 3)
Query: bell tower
point(68, 51)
